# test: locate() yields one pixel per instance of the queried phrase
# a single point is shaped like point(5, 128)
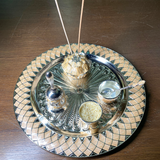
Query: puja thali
point(65, 133)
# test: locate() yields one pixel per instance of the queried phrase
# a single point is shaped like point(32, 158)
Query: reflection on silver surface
point(77, 91)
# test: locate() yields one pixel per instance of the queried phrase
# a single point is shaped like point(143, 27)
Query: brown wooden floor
point(30, 27)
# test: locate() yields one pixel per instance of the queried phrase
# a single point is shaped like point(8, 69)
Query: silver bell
point(56, 98)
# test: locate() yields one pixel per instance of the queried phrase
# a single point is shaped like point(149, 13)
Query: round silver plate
point(64, 133)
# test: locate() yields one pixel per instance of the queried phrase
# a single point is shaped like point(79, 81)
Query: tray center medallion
point(79, 90)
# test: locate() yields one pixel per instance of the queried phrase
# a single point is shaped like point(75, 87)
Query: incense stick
point(80, 23)
point(63, 25)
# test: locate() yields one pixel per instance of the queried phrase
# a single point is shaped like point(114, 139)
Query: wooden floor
point(31, 27)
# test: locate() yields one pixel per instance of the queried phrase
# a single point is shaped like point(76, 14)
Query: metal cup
point(112, 85)
point(91, 125)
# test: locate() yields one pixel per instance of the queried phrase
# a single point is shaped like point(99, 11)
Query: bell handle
point(50, 78)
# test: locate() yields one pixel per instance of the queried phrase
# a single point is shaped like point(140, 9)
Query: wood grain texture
point(30, 27)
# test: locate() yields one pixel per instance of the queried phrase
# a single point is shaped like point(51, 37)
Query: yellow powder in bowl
point(90, 111)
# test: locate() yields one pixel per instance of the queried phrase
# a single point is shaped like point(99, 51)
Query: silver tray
point(64, 133)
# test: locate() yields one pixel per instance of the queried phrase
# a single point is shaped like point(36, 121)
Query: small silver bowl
point(93, 123)
point(112, 87)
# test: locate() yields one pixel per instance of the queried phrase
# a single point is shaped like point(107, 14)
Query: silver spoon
point(108, 91)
